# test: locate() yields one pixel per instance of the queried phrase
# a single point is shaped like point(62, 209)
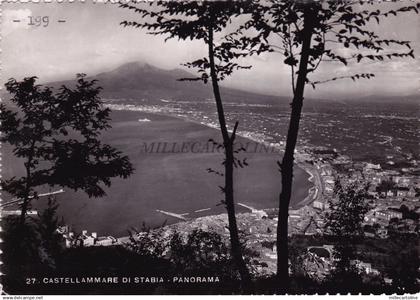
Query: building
point(370, 166)
point(318, 204)
point(411, 192)
point(68, 236)
point(84, 239)
point(388, 214)
point(364, 267)
point(404, 181)
point(402, 191)
point(372, 191)
point(376, 179)
point(370, 217)
point(87, 240)
point(321, 205)
point(391, 193)
point(105, 241)
point(369, 232)
point(325, 153)
point(326, 170)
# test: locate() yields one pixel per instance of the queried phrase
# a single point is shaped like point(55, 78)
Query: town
point(393, 197)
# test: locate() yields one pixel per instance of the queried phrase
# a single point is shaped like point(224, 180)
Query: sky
point(92, 41)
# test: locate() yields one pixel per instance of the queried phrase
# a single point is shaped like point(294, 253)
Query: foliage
point(346, 282)
point(56, 134)
point(297, 259)
point(344, 222)
point(408, 214)
point(404, 264)
point(201, 252)
point(30, 248)
point(20, 245)
point(337, 27)
point(308, 33)
point(207, 21)
point(51, 242)
point(347, 210)
point(200, 20)
point(150, 243)
point(386, 185)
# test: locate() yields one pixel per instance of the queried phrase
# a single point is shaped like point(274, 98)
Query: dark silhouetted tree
point(51, 242)
point(307, 33)
point(21, 255)
point(206, 21)
point(404, 267)
point(148, 242)
point(56, 134)
point(386, 185)
point(344, 223)
point(201, 253)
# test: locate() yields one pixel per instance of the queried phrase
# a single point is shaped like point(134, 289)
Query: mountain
point(395, 99)
point(135, 81)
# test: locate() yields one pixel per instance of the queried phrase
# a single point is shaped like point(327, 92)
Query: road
point(315, 192)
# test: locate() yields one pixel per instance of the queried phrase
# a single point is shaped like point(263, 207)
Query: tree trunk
point(24, 209)
point(288, 157)
point(26, 199)
point(233, 228)
point(236, 249)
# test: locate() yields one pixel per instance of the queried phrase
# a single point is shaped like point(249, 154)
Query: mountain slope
point(132, 82)
point(136, 80)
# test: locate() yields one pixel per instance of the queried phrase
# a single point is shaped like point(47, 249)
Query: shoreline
point(311, 171)
point(306, 196)
point(312, 192)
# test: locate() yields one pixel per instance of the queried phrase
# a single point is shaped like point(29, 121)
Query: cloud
point(11, 15)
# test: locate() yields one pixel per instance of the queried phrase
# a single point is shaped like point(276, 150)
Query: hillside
point(134, 81)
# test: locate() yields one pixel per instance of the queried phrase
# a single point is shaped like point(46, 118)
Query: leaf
point(411, 53)
point(291, 61)
point(342, 59)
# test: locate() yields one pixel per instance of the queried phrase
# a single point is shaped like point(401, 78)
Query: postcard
point(210, 147)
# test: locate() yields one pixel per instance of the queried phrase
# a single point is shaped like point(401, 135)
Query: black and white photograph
point(245, 147)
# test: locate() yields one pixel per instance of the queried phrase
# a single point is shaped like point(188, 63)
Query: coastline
point(313, 191)
point(188, 186)
point(206, 215)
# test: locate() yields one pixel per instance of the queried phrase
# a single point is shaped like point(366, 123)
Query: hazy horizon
point(91, 41)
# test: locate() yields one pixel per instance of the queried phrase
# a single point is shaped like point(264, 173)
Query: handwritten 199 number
point(38, 21)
